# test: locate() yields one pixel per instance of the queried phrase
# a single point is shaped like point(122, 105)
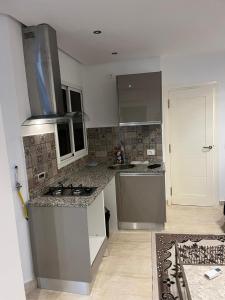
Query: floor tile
point(130, 249)
point(195, 215)
point(39, 294)
point(131, 236)
point(135, 266)
point(109, 296)
point(126, 272)
point(122, 285)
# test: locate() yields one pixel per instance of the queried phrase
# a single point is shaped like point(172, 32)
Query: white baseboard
point(29, 286)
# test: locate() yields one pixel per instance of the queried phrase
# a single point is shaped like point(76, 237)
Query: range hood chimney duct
point(43, 75)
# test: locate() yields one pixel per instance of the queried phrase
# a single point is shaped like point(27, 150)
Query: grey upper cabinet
point(140, 98)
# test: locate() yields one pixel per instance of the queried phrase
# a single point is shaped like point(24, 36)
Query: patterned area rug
point(175, 250)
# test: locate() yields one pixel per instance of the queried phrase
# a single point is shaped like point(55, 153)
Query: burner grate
point(70, 191)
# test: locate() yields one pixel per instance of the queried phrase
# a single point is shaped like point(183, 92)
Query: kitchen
point(43, 163)
point(78, 201)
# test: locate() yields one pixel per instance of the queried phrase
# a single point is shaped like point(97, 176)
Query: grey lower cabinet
point(67, 245)
point(140, 200)
point(140, 98)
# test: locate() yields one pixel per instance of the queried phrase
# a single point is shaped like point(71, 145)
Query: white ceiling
point(134, 28)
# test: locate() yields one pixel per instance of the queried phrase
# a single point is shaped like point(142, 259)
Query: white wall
point(100, 88)
point(71, 70)
point(11, 277)
point(101, 99)
point(181, 71)
point(15, 109)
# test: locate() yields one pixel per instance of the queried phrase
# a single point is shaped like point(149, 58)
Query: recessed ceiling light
point(97, 31)
point(114, 53)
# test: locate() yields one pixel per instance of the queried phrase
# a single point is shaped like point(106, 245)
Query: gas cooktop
point(70, 191)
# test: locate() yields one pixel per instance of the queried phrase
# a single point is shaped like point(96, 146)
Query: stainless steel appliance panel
point(42, 70)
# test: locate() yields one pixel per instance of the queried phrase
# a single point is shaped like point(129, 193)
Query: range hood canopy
point(76, 117)
point(43, 75)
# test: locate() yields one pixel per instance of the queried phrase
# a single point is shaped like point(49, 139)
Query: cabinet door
point(141, 198)
point(135, 81)
point(140, 97)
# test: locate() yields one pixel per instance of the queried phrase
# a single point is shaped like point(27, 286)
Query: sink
point(121, 167)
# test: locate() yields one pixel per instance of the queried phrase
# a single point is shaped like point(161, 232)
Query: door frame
point(166, 135)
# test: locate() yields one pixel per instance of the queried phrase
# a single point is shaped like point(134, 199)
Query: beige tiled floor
point(126, 273)
point(191, 219)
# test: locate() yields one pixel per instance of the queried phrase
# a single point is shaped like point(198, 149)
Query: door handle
point(208, 147)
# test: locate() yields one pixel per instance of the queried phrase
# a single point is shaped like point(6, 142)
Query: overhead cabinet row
point(140, 98)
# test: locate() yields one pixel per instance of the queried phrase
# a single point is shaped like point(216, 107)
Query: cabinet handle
point(141, 174)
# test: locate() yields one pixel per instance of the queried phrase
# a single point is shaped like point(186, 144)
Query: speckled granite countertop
point(98, 176)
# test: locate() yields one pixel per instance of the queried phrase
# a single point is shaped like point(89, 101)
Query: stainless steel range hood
point(43, 75)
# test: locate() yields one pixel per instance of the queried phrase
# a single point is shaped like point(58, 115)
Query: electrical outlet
point(150, 151)
point(41, 176)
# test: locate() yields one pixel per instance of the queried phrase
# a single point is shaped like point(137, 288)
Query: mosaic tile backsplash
point(40, 151)
point(40, 155)
point(136, 141)
point(102, 142)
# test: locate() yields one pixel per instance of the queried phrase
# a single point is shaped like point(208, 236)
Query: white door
point(191, 145)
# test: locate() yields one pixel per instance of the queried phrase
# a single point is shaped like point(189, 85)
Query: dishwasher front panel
point(141, 198)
